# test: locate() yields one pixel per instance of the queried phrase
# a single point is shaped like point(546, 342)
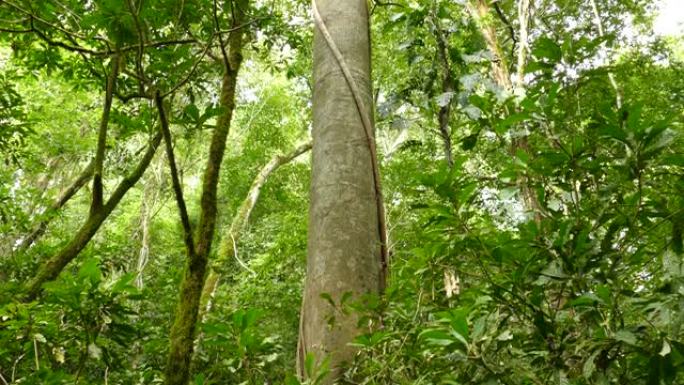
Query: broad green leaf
point(90, 270)
point(626, 337)
point(547, 48)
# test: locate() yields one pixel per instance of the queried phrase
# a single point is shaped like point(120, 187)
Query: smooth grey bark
point(344, 244)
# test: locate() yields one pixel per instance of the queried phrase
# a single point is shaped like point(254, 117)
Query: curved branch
point(228, 247)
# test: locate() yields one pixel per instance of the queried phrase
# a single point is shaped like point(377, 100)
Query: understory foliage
point(559, 261)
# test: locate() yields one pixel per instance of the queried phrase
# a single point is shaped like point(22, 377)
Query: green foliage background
point(481, 291)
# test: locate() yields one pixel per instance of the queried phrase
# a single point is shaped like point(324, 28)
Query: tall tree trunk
point(480, 11)
point(346, 254)
point(51, 269)
point(182, 333)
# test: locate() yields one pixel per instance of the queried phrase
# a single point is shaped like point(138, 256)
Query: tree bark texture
point(480, 10)
point(185, 323)
point(98, 190)
point(448, 86)
point(344, 244)
point(51, 269)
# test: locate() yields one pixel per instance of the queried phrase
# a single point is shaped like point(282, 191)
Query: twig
point(10, 30)
point(141, 46)
point(192, 70)
point(14, 366)
point(35, 353)
point(224, 55)
point(508, 24)
point(237, 258)
point(611, 76)
point(448, 86)
point(55, 43)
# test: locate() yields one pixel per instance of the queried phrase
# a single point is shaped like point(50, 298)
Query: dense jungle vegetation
point(223, 192)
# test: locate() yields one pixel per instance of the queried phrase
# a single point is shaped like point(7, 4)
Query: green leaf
point(589, 365)
point(547, 48)
point(666, 349)
point(588, 299)
point(509, 121)
point(438, 337)
point(192, 112)
point(444, 99)
point(506, 335)
point(469, 142)
point(94, 351)
point(124, 284)
point(90, 270)
point(250, 318)
point(328, 298)
point(626, 337)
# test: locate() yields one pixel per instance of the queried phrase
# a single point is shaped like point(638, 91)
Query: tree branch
point(228, 247)
point(175, 180)
point(447, 86)
point(508, 24)
point(75, 186)
point(102, 137)
point(224, 55)
point(51, 268)
point(186, 79)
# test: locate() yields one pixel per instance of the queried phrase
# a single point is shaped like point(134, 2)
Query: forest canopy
point(341, 192)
